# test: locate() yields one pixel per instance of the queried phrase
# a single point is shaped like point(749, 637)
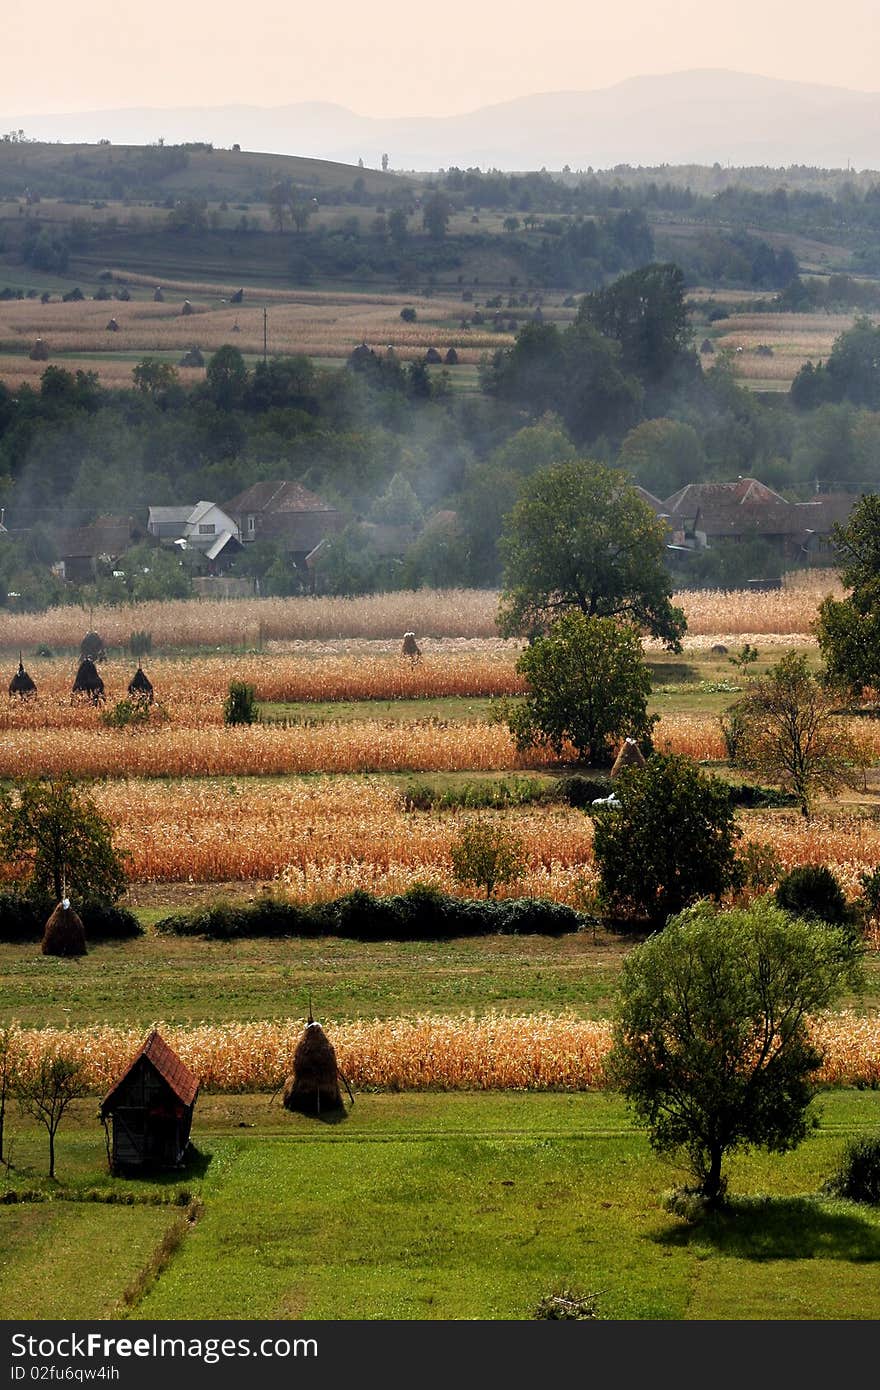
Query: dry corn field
point(321, 326)
point(320, 837)
point(191, 693)
point(793, 339)
point(271, 750)
point(431, 613)
point(493, 1052)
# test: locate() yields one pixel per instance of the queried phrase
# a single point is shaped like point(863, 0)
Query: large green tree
point(849, 629)
point(669, 840)
point(646, 313)
point(712, 1044)
point(580, 537)
point(588, 685)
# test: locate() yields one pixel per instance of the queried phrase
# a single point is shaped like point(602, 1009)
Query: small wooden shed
point(151, 1108)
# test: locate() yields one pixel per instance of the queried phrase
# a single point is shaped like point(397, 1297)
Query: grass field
point(432, 1207)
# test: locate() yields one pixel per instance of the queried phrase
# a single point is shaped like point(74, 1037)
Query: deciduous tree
point(580, 537)
point(56, 831)
point(712, 1045)
point(669, 841)
point(788, 732)
point(588, 685)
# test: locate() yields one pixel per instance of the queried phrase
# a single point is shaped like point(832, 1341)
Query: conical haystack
point(630, 755)
point(64, 934)
point(92, 646)
point(313, 1089)
point(88, 682)
point(140, 687)
point(21, 684)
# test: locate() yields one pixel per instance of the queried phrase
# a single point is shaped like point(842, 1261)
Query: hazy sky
point(397, 57)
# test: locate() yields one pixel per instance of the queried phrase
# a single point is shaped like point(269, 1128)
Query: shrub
point(858, 1172)
point(140, 643)
point(746, 794)
point(512, 791)
point(811, 890)
point(487, 854)
point(240, 705)
point(423, 913)
point(127, 714)
point(583, 791)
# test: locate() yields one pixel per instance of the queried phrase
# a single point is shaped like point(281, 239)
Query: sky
point(397, 58)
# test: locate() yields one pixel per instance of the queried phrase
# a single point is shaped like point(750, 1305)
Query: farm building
point(151, 1108)
point(285, 512)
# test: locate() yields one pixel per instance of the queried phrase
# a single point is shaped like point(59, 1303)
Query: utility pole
point(265, 335)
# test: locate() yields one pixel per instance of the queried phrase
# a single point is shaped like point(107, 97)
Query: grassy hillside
point(118, 171)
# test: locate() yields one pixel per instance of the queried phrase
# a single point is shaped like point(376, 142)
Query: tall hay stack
point(88, 682)
point(411, 648)
point(630, 755)
point(140, 687)
point(313, 1088)
point(22, 684)
point(64, 934)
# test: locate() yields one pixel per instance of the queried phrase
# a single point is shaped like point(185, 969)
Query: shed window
point(251, 525)
point(206, 528)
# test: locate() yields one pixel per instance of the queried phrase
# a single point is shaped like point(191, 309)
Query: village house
point(287, 513)
point(704, 514)
point(205, 529)
point(81, 548)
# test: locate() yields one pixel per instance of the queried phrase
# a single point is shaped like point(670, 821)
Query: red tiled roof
point(169, 1066)
point(276, 497)
point(745, 491)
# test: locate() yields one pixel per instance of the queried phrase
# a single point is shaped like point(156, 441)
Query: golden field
point(206, 749)
point(494, 1052)
point(320, 325)
point(191, 693)
point(430, 613)
point(317, 838)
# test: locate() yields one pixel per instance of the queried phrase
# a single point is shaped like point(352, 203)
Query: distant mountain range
point(699, 117)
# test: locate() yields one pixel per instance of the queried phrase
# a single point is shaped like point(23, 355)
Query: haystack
point(433, 356)
point(237, 297)
point(411, 647)
point(313, 1088)
point(630, 755)
point(451, 358)
point(92, 646)
point(158, 296)
point(64, 934)
point(186, 307)
point(40, 351)
point(21, 684)
point(112, 326)
point(88, 682)
point(193, 358)
point(140, 687)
